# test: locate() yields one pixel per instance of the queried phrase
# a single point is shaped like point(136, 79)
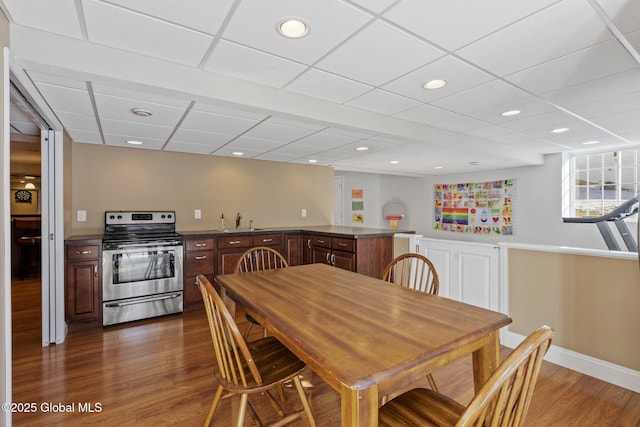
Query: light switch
point(82, 216)
point(304, 213)
point(198, 214)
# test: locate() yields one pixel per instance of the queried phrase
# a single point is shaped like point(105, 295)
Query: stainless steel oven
point(142, 259)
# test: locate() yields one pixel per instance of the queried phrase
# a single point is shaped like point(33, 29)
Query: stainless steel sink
point(240, 230)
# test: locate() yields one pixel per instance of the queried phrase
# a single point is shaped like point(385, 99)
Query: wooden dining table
point(366, 338)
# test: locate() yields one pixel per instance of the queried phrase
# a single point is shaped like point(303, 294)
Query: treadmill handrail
point(619, 212)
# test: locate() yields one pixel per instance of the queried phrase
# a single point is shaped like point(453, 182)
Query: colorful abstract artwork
point(478, 208)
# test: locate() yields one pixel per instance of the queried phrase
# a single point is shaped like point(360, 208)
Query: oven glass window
point(144, 265)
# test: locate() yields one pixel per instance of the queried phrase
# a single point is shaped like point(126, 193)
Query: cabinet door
point(293, 249)
point(320, 255)
point(83, 299)
point(228, 259)
point(344, 260)
point(306, 249)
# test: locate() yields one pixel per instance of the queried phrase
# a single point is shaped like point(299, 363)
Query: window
point(603, 180)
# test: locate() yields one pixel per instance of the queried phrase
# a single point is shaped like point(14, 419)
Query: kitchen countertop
point(331, 230)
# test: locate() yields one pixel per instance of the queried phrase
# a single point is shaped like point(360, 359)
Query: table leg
point(359, 407)
point(486, 360)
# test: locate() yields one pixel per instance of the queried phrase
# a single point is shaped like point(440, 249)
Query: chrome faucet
point(238, 218)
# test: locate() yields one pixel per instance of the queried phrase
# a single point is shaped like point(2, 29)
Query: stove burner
point(136, 229)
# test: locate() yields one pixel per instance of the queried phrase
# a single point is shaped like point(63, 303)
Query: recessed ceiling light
point(312, 161)
point(435, 84)
point(590, 142)
point(438, 167)
point(141, 112)
point(30, 186)
point(29, 177)
point(511, 113)
point(238, 153)
point(394, 162)
point(362, 148)
point(559, 130)
point(474, 163)
point(293, 28)
point(132, 142)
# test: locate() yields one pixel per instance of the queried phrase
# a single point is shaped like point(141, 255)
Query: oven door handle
point(140, 301)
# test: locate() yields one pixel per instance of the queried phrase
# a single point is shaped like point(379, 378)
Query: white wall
point(537, 205)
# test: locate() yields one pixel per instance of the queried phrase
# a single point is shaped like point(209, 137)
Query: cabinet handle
point(267, 240)
point(328, 258)
point(86, 252)
point(333, 259)
point(200, 257)
point(234, 242)
point(200, 245)
point(309, 243)
point(344, 245)
point(417, 248)
point(320, 241)
point(95, 270)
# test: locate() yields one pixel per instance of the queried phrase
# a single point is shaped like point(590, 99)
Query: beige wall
point(271, 193)
point(592, 302)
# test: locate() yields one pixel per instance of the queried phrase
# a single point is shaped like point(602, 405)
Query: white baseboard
point(600, 369)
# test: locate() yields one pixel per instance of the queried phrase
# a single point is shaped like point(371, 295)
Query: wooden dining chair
point(413, 271)
point(502, 401)
point(248, 368)
point(257, 259)
point(416, 272)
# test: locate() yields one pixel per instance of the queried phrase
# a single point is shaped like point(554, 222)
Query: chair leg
point(243, 409)
point(432, 382)
point(275, 405)
point(246, 333)
point(305, 401)
point(214, 405)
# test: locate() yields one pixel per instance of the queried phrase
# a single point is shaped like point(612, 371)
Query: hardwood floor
point(159, 372)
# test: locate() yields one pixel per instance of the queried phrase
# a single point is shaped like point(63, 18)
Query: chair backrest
point(260, 258)
point(233, 357)
point(504, 399)
point(413, 271)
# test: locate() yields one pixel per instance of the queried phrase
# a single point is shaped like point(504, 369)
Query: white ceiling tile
point(623, 123)
point(297, 150)
point(325, 141)
point(625, 14)
point(202, 15)
point(245, 143)
point(58, 17)
point(228, 152)
point(117, 108)
point(57, 80)
point(360, 57)
point(459, 124)
point(25, 128)
point(383, 102)
point(295, 123)
point(523, 44)
point(189, 147)
point(278, 133)
point(277, 156)
point(347, 132)
point(455, 23)
point(528, 107)
point(489, 132)
point(139, 95)
point(327, 86)
point(78, 121)
point(210, 139)
point(121, 141)
point(218, 123)
point(481, 97)
point(375, 6)
point(79, 135)
point(427, 114)
point(458, 74)
point(66, 99)
point(589, 64)
point(249, 64)
point(135, 130)
point(224, 109)
point(143, 34)
point(254, 24)
point(619, 104)
point(549, 120)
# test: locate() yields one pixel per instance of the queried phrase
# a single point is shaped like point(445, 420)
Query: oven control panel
point(140, 217)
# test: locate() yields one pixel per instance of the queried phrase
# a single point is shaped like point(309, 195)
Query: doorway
point(338, 205)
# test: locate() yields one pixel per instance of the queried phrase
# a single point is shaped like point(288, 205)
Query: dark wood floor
point(159, 372)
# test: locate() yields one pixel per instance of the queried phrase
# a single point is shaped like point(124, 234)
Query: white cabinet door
point(468, 272)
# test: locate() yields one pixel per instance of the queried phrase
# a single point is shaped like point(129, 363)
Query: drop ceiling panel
point(372, 55)
point(278, 133)
point(143, 34)
point(427, 114)
point(58, 17)
point(458, 74)
point(78, 121)
point(456, 23)
point(203, 15)
point(625, 14)
point(57, 80)
point(534, 40)
point(210, 139)
point(254, 24)
point(253, 65)
point(219, 123)
point(188, 147)
point(80, 135)
point(384, 102)
point(232, 111)
point(135, 130)
point(481, 97)
point(121, 141)
point(327, 86)
point(139, 95)
point(460, 124)
point(111, 107)
point(325, 141)
point(619, 104)
point(528, 107)
point(66, 99)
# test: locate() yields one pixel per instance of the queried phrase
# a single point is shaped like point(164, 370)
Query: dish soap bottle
point(222, 222)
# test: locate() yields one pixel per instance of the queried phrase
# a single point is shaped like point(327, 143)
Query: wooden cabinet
point(83, 284)
point(229, 251)
point(292, 249)
point(199, 258)
point(368, 255)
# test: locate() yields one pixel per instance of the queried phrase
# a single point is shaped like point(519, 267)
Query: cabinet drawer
point(235, 242)
point(201, 244)
point(199, 262)
point(321, 241)
point(342, 244)
point(267, 240)
point(75, 252)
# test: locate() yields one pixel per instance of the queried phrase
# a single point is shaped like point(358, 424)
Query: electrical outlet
point(304, 213)
point(198, 214)
point(82, 216)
